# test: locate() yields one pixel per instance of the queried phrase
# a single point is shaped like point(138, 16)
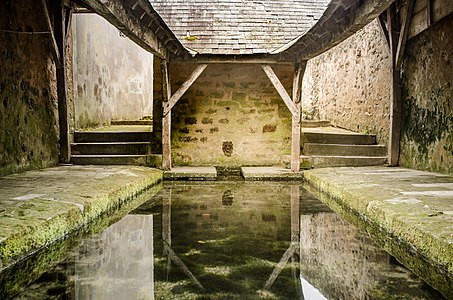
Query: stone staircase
point(126, 144)
point(327, 146)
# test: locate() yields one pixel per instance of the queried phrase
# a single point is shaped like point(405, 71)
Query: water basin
point(229, 240)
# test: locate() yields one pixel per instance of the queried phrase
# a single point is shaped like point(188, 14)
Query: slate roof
point(238, 26)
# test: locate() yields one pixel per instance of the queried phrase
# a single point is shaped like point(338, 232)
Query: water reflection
point(229, 240)
point(118, 263)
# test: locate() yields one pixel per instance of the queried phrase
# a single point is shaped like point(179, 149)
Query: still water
point(229, 240)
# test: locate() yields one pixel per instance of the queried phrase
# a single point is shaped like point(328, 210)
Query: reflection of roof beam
point(181, 264)
point(147, 29)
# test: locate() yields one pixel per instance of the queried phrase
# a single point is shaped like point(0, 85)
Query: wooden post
point(398, 38)
point(395, 102)
point(299, 70)
point(63, 116)
point(166, 121)
point(157, 105)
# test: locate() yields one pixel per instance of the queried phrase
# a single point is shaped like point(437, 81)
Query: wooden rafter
point(184, 87)
point(280, 89)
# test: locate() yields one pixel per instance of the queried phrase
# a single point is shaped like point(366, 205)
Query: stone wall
point(231, 116)
point(427, 130)
point(28, 107)
point(112, 75)
point(349, 85)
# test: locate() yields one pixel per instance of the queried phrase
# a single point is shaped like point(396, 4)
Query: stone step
point(131, 122)
point(311, 124)
point(341, 161)
point(344, 150)
point(111, 148)
point(111, 136)
point(338, 138)
point(151, 160)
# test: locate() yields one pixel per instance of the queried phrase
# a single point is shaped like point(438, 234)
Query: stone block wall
point(28, 97)
point(113, 77)
point(349, 85)
point(427, 127)
point(231, 116)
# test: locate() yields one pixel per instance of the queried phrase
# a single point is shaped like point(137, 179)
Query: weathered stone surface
point(40, 207)
point(269, 173)
point(427, 130)
point(349, 85)
point(222, 125)
point(191, 173)
point(406, 211)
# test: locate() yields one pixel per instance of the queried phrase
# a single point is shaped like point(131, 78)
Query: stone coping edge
point(392, 240)
point(71, 218)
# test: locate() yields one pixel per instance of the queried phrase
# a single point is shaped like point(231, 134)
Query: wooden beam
point(166, 120)
point(383, 28)
point(68, 22)
point(184, 87)
point(409, 9)
point(280, 89)
point(395, 102)
point(236, 59)
point(299, 70)
point(55, 50)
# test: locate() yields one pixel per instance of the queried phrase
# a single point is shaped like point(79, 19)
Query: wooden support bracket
point(55, 50)
point(184, 87)
point(280, 89)
point(404, 31)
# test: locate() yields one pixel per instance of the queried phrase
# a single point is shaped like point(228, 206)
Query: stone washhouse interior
point(107, 103)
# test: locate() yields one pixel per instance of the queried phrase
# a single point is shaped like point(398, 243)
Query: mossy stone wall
point(427, 130)
point(28, 98)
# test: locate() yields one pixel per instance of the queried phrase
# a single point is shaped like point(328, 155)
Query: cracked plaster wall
point(112, 75)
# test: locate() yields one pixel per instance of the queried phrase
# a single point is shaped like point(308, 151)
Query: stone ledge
point(41, 207)
point(269, 173)
point(191, 173)
point(408, 213)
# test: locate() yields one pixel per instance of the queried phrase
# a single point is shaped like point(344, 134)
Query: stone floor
point(39, 207)
point(408, 212)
